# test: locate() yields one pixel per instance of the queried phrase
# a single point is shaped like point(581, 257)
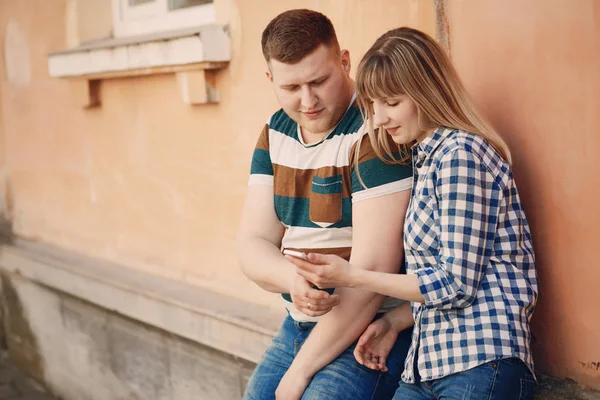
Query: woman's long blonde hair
point(408, 61)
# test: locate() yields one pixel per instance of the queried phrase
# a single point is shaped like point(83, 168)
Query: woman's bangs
point(377, 80)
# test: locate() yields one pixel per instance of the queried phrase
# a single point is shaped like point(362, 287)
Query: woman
point(470, 267)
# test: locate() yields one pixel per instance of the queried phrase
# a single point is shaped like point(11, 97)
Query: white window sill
point(192, 54)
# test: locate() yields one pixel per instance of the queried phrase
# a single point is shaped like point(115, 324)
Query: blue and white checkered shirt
point(467, 238)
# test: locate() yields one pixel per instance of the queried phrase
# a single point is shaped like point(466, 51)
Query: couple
point(422, 182)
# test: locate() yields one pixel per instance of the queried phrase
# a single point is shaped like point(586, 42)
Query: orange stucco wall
point(534, 68)
point(149, 182)
point(145, 180)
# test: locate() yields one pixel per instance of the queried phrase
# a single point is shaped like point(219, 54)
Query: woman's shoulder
point(467, 142)
point(465, 145)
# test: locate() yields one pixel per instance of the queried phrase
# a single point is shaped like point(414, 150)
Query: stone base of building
point(92, 330)
point(88, 329)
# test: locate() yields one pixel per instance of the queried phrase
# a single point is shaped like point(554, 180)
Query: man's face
point(315, 91)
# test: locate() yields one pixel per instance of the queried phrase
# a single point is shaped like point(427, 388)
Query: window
point(139, 17)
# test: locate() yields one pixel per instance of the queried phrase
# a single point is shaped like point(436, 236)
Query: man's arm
point(376, 246)
point(259, 240)
point(258, 249)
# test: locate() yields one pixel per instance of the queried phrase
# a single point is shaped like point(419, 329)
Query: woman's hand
point(325, 270)
point(375, 344)
point(310, 301)
point(377, 340)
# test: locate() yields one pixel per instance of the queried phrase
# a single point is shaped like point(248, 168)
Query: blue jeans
point(344, 378)
point(506, 379)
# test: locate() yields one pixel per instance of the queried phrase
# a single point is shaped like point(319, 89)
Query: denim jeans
point(506, 379)
point(344, 378)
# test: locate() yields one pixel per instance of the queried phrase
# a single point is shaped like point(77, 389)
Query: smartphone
point(296, 254)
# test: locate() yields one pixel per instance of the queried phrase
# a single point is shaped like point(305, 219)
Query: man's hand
point(375, 344)
point(310, 301)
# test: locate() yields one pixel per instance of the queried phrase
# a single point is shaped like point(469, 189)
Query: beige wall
point(2, 135)
point(146, 180)
point(87, 20)
point(152, 183)
point(533, 66)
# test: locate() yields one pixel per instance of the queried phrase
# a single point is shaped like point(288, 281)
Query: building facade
point(126, 132)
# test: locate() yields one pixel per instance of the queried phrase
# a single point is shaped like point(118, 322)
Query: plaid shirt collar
point(427, 146)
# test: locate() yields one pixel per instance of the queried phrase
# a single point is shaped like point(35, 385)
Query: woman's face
point(398, 117)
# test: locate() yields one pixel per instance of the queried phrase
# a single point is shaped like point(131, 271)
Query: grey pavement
point(16, 385)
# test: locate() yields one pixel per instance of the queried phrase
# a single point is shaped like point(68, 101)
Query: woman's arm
point(376, 245)
point(467, 214)
point(469, 199)
point(332, 271)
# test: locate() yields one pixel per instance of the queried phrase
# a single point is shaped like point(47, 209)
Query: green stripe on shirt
point(298, 215)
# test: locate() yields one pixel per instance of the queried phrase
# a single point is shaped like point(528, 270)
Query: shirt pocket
point(326, 200)
point(419, 227)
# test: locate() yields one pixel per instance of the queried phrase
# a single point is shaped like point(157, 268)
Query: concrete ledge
point(105, 343)
point(214, 320)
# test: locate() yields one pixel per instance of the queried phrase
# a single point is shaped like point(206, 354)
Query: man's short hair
point(294, 34)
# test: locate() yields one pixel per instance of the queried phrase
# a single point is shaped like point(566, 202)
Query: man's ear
point(269, 75)
point(345, 60)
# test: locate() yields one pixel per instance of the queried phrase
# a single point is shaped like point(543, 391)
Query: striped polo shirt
point(315, 185)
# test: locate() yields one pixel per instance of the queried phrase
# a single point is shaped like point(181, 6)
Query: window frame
point(156, 17)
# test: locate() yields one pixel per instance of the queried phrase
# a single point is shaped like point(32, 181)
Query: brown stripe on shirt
point(343, 252)
point(367, 152)
point(291, 182)
point(263, 139)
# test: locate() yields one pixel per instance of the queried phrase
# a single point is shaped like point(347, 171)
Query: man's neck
point(312, 138)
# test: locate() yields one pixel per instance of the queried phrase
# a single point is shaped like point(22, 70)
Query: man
point(306, 194)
